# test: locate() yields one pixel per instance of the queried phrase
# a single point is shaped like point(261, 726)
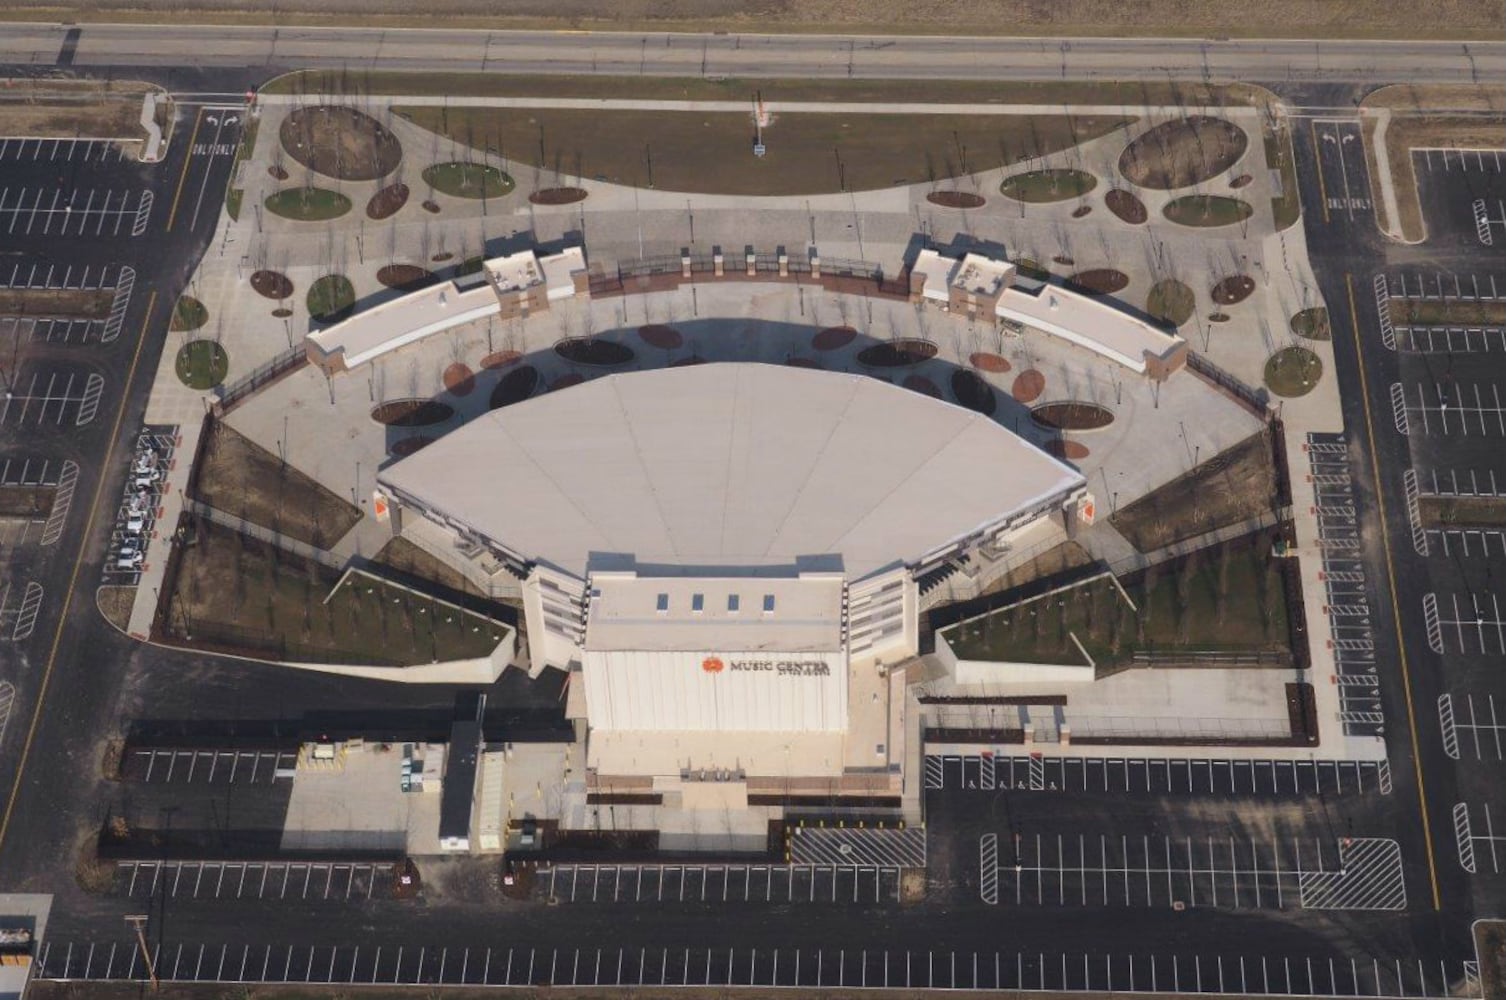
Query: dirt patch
point(666, 338)
point(972, 392)
point(1064, 260)
point(922, 385)
point(1241, 181)
point(240, 478)
point(1416, 312)
point(1028, 386)
point(833, 338)
point(410, 560)
point(56, 302)
point(897, 353)
point(1218, 317)
point(1099, 281)
point(1072, 415)
point(1171, 302)
point(1490, 946)
point(985, 361)
point(115, 603)
point(807, 153)
point(29, 502)
point(1180, 153)
point(1126, 207)
point(341, 142)
point(271, 284)
point(1082, 210)
point(514, 387)
point(412, 413)
point(432, 207)
point(558, 196)
point(1233, 289)
point(1233, 486)
point(403, 447)
point(956, 199)
point(387, 202)
point(72, 109)
point(1071, 451)
point(501, 359)
point(593, 351)
point(277, 173)
point(459, 379)
point(1462, 512)
point(405, 277)
point(281, 313)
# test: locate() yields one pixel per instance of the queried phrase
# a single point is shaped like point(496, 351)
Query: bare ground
point(1234, 486)
point(72, 108)
point(56, 301)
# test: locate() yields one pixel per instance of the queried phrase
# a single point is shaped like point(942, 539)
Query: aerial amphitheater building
point(730, 561)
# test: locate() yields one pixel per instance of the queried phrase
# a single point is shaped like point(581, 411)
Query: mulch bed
point(340, 142)
point(387, 202)
point(666, 338)
point(1241, 181)
point(404, 277)
point(1028, 386)
point(459, 379)
point(558, 196)
point(442, 256)
point(282, 313)
point(974, 393)
point(407, 446)
point(986, 362)
point(1072, 451)
point(1072, 416)
point(1218, 317)
point(1064, 260)
point(955, 199)
point(922, 385)
point(277, 172)
point(804, 363)
point(1099, 281)
point(1081, 210)
point(501, 359)
point(694, 359)
point(566, 381)
point(1126, 207)
point(432, 207)
point(594, 351)
point(1180, 153)
point(271, 284)
point(514, 387)
point(897, 353)
point(412, 412)
point(1235, 288)
point(833, 338)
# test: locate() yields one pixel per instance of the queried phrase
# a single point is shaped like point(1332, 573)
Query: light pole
point(138, 921)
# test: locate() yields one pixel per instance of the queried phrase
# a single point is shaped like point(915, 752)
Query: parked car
point(135, 521)
point(128, 559)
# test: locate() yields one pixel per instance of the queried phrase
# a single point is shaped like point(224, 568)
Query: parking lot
point(208, 767)
point(52, 395)
point(1436, 408)
point(1467, 728)
point(323, 881)
point(75, 212)
point(726, 883)
point(1467, 624)
point(1160, 775)
point(61, 150)
point(1463, 194)
point(1480, 848)
point(140, 505)
point(1178, 872)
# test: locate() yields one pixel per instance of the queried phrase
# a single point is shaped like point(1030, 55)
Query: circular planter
point(331, 298)
point(468, 180)
point(404, 277)
point(972, 392)
point(833, 338)
point(1043, 186)
point(1207, 211)
point(413, 412)
point(271, 284)
point(897, 353)
point(404, 447)
point(307, 204)
point(558, 196)
point(282, 313)
point(922, 385)
point(1233, 289)
point(1312, 324)
point(1293, 372)
point(987, 362)
point(956, 199)
point(202, 364)
point(1240, 181)
point(387, 202)
point(188, 314)
point(1099, 281)
point(277, 173)
point(514, 387)
point(1218, 317)
point(1126, 207)
point(1081, 210)
point(1028, 386)
point(1071, 415)
point(432, 207)
point(501, 359)
point(1180, 153)
point(1071, 451)
point(593, 351)
point(666, 338)
point(1170, 301)
point(339, 141)
point(442, 256)
point(459, 379)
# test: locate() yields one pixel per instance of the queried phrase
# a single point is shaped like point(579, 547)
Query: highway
point(931, 57)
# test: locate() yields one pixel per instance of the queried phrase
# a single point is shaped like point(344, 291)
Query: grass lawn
point(237, 592)
point(234, 195)
point(308, 204)
point(1171, 301)
point(1206, 211)
point(238, 477)
point(330, 297)
point(1293, 371)
point(1048, 185)
point(1229, 598)
point(188, 314)
point(1312, 324)
point(712, 152)
point(468, 180)
point(202, 364)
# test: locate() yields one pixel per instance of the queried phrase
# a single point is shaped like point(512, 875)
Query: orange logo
point(712, 665)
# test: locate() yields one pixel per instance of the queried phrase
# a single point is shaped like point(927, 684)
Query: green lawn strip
point(1293, 371)
point(1226, 599)
point(695, 88)
point(188, 314)
point(712, 152)
point(330, 297)
point(308, 204)
point(233, 194)
point(1171, 301)
point(202, 364)
point(1207, 210)
point(468, 180)
point(1048, 185)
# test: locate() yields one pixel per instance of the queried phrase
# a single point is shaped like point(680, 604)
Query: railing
point(243, 388)
point(1254, 399)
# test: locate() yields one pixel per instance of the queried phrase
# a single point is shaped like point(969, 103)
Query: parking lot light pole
point(138, 921)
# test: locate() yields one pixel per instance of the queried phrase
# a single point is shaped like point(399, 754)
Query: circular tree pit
point(558, 196)
point(897, 353)
point(514, 387)
point(1099, 281)
point(459, 379)
point(387, 202)
point(955, 199)
point(833, 338)
point(1126, 207)
point(666, 338)
point(972, 392)
point(1072, 415)
point(404, 277)
point(411, 412)
point(593, 351)
point(987, 362)
point(501, 359)
point(271, 284)
point(1235, 288)
point(1028, 386)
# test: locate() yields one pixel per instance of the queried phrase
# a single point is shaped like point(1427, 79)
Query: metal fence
point(243, 388)
point(1254, 399)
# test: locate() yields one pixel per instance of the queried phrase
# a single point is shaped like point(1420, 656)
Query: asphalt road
point(169, 45)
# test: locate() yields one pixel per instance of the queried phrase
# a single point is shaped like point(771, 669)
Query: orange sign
point(713, 665)
point(379, 506)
